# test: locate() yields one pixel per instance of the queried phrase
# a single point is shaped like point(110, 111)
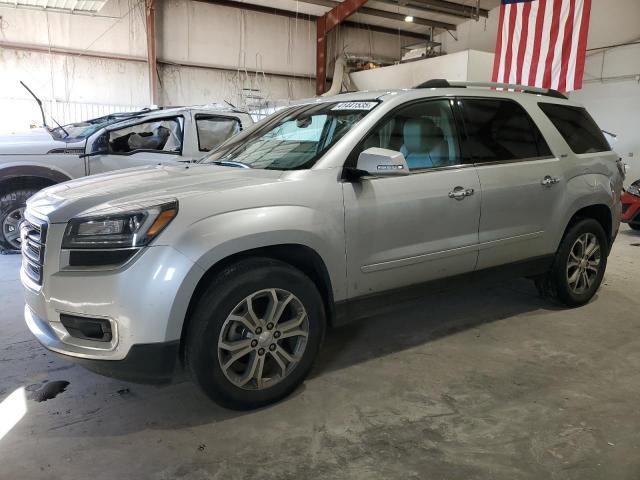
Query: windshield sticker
point(355, 106)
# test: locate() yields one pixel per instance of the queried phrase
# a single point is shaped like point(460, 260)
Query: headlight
point(119, 230)
point(634, 189)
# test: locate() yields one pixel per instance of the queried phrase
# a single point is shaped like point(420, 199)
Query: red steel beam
point(152, 59)
point(324, 25)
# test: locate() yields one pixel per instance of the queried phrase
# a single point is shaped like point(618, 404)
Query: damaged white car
point(43, 157)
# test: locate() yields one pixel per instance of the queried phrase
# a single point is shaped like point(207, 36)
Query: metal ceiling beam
point(384, 14)
point(324, 25)
point(312, 18)
point(441, 7)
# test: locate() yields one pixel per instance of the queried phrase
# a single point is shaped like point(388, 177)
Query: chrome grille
point(33, 236)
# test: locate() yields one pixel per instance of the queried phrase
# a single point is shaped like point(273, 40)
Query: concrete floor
point(485, 382)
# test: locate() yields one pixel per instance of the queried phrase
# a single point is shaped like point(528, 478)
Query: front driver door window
point(145, 143)
point(424, 133)
point(406, 230)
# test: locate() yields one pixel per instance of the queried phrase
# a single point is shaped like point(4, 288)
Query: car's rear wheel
point(254, 333)
point(579, 265)
point(12, 207)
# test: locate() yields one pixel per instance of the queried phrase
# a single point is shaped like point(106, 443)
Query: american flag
point(542, 43)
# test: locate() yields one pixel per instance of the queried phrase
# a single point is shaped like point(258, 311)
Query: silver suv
point(235, 267)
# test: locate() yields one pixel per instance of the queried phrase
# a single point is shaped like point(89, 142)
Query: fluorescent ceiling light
point(408, 18)
point(85, 6)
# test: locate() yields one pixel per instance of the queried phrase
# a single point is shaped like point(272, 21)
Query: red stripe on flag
point(526, 11)
point(498, 55)
point(582, 45)
point(535, 57)
point(509, 53)
point(555, 28)
point(566, 47)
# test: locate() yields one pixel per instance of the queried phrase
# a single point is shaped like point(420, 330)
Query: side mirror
point(380, 162)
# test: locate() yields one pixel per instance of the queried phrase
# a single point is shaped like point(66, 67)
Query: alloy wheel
point(263, 339)
point(11, 227)
point(583, 263)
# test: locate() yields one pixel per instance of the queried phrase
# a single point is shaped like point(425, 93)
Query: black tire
point(225, 292)
point(555, 284)
point(9, 203)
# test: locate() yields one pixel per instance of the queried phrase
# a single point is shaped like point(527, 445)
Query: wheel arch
point(598, 212)
point(297, 255)
point(29, 176)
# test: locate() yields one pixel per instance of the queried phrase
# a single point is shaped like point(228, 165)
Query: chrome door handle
point(549, 180)
point(460, 193)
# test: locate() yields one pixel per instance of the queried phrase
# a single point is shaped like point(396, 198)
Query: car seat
point(149, 140)
point(424, 144)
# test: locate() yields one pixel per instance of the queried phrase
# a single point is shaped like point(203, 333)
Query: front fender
point(211, 240)
point(208, 241)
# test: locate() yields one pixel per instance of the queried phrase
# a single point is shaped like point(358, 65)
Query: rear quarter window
point(576, 126)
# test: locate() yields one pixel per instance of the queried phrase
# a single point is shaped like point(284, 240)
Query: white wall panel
point(68, 78)
point(189, 32)
point(460, 66)
point(117, 29)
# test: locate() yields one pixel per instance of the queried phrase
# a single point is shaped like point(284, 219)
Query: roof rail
point(441, 83)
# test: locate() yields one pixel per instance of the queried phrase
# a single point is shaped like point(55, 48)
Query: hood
point(144, 185)
point(32, 142)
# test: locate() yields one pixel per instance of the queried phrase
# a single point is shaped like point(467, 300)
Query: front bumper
point(144, 363)
point(144, 301)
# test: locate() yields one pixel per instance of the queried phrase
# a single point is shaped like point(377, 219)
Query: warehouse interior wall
point(611, 88)
point(207, 54)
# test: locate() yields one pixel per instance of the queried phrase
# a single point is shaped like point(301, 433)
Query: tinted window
point(500, 130)
point(212, 131)
point(577, 127)
point(424, 132)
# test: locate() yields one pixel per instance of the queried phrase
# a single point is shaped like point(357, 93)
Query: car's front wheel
point(579, 265)
point(12, 206)
point(254, 333)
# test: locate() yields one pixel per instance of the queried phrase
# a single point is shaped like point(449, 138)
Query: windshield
point(82, 130)
point(292, 139)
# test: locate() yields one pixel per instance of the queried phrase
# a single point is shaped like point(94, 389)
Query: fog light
point(95, 329)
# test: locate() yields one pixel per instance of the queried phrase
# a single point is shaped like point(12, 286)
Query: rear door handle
point(459, 193)
point(549, 180)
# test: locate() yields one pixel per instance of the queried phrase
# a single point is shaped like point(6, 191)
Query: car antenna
point(44, 118)
point(235, 109)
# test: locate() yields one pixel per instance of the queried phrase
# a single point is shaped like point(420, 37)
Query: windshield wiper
point(229, 163)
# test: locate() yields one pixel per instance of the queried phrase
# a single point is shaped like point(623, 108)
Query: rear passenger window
point(577, 127)
point(500, 130)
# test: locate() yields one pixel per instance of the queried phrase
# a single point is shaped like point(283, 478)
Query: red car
point(631, 205)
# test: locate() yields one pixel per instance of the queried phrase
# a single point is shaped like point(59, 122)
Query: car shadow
point(438, 314)
point(97, 401)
